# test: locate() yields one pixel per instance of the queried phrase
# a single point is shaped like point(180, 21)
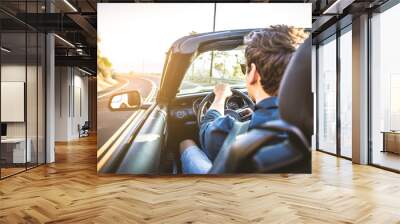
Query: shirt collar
point(267, 103)
point(265, 110)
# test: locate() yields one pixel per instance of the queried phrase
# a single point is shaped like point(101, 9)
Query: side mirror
point(125, 101)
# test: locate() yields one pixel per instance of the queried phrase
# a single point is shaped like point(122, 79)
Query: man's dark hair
point(270, 50)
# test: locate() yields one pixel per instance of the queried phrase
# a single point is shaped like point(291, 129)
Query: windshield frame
point(182, 52)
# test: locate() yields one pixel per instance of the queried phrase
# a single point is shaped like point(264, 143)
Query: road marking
point(114, 90)
point(129, 120)
point(153, 90)
point(116, 139)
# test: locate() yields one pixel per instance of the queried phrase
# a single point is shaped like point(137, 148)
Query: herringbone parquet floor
point(70, 191)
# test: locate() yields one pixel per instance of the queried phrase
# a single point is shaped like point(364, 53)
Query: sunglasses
point(243, 67)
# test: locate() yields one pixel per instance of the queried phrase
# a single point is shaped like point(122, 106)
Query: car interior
point(292, 155)
point(155, 148)
point(152, 144)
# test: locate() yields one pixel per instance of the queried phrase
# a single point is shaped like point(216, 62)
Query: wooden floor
point(70, 191)
point(10, 171)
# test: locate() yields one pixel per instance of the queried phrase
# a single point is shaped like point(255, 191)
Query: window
point(346, 93)
point(23, 77)
point(314, 84)
point(327, 96)
point(202, 77)
point(385, 89)
point(14, 156)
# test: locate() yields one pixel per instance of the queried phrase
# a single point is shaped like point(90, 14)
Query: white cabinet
point(19, 155)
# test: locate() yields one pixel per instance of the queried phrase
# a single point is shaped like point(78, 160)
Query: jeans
point(195, 161)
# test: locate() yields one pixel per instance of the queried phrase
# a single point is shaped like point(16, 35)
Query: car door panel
point(144, 152)
point(110, 154)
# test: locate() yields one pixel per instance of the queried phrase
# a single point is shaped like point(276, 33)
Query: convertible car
point(148, 143)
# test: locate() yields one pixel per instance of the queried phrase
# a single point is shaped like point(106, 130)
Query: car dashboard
point(185, 108)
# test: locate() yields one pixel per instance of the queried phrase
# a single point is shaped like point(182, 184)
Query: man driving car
point(267, 53)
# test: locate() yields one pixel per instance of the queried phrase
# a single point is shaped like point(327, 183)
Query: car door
point(135, 148)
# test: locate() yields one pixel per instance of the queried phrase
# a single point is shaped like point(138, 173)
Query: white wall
point(80, 110)
point(62, 82)
point(14, 73)
point(71, 102)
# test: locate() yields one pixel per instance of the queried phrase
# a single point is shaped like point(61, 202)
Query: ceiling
point(75, 21)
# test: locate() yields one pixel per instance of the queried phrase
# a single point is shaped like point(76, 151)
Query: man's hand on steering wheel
point(221, 92)
point(217, 100)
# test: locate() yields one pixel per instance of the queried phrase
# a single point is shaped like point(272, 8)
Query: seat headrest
point(295, 96)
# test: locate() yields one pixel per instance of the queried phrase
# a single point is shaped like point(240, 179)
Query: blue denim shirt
point(214, 127)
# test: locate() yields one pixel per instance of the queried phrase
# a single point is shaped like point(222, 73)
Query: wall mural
point(196, 88)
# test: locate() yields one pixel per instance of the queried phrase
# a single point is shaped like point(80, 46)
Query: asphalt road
point(109, 121)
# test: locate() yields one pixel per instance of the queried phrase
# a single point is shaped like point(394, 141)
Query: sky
point(136, 36)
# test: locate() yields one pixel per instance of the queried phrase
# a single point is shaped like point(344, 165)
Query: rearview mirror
point(129, 100)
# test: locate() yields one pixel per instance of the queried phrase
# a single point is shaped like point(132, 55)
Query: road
point(109, 121)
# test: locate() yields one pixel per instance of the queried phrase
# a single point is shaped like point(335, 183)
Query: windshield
point(210, 68)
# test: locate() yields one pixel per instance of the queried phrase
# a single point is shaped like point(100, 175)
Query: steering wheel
point(241, 114)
